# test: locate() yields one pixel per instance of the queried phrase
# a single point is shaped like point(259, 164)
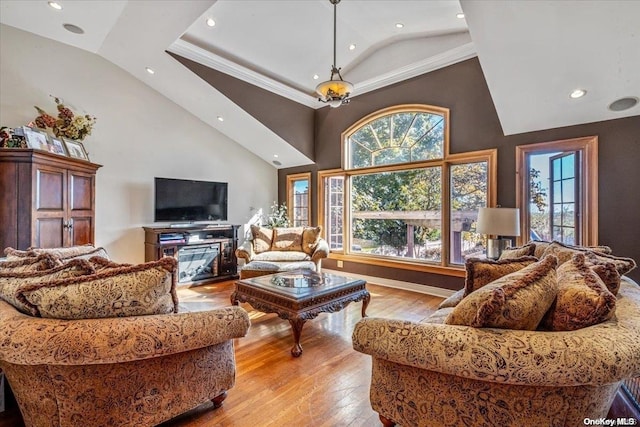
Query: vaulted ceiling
point(533, 54)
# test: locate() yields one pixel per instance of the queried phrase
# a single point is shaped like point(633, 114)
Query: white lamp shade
point(499, 221)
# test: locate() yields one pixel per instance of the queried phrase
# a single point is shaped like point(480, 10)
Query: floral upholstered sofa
point(273, 250)
point(88, 342)
point(542, 343)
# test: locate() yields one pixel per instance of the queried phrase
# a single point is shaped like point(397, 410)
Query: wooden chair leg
point(386, 422)
point(217, 401)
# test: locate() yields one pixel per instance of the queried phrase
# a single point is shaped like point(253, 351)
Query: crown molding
point(204, 57)
point(441, 60)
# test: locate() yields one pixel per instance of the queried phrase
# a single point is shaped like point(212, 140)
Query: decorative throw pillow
point(483, 271)
point(262, 238)
point(623, 265)
point(97, 252)
point(287, 239)
point(133, 290)
point(566, 252)
point(453, 300)
point(11, 283)
point(516, 301)
point(608, 274)
point(583, 299)
point(563, 252)
point(310, 237)
point(26, 264)
point(101, 263)
point(519, 251)
point(13, 254)
point(67, 253)
point(542, 245)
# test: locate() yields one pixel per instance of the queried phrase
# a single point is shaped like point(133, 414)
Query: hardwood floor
point(327, 386)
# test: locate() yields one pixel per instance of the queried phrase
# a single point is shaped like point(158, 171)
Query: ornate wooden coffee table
point(300, 295)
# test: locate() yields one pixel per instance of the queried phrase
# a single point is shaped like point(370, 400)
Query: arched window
point(394, 138)
point(401, 196)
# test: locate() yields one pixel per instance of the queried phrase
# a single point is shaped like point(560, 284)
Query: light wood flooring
point(327, 386)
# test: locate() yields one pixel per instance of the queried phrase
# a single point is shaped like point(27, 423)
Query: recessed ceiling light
point(150, 70)
point(316, 77)
point(352, 46)
point(399, 25)
point(56, 6)
point(220, 119)
point(459, 15)
point(623, 103)
point(211, 22)
point(276, 156)
point(578, 93)
point(73, 28)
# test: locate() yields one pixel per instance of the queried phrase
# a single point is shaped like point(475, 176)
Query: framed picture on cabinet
point(57, 146)
point(35, 139)
point(76, 149)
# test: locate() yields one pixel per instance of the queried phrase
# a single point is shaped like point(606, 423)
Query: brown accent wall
point(291, 121)
point(474, 126)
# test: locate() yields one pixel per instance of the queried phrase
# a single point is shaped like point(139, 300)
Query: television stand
point(206, 253)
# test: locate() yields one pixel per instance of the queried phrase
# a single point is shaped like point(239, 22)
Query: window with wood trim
point(299, 199)
point(557, 191)
point(401, 197)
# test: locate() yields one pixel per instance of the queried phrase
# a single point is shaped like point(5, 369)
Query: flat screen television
point(185, 200)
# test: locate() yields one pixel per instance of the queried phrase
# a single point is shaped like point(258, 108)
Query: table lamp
point(499, 222)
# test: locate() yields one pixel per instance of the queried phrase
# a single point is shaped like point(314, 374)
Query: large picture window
point(401, 197)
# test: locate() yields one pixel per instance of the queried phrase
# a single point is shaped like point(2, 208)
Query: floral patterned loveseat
point(108, 361)
point(273, 250)
point(435, 373)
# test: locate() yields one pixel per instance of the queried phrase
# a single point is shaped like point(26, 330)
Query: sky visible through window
point(540, 229)
point(301, 186)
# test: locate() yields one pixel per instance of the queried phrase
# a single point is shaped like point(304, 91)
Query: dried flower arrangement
point(68, 124)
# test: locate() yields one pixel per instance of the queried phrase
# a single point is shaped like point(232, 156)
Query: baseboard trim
point(397, 284)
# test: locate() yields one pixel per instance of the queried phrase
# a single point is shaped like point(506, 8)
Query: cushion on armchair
point(262, 238)
point(289, 256)
point(71, 252)
point(287, 239)
point(310, 239)
point(516, 301)
point(26, 264)
point(583, 299)
point(119, 291)
point(11, 283)
point(542, 245)
point(483, 271)
point(608, 274)
point(518, 251)
point(13, 254)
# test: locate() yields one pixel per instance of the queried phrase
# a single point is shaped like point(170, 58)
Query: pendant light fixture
point(334, 91)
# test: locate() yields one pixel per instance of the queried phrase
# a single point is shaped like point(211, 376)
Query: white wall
point(139, 134)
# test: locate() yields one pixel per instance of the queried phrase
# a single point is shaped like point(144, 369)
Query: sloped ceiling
point(532, 53)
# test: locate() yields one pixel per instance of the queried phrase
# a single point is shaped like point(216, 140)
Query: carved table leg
point(234, 299)
point(296, 325)
point(217, 401)
point(365, 304)
point(386, 422)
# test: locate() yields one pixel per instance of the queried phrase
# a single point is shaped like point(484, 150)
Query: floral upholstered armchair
point(88, 342)
point(432, 373)
point(273, 250)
